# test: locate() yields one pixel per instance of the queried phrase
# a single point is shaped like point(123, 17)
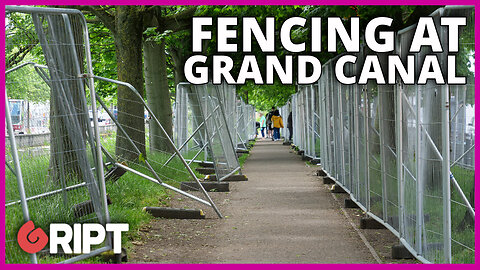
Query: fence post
point(366, 111)
point(399, 132)
point(447, 226)
point(419, 182)
point(18, 170)
point(340, 125)
point(381, 95)
point(357, 94)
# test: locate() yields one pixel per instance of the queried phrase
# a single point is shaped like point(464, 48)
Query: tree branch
point(179, 21)
point(101, 13)
point(20, 55)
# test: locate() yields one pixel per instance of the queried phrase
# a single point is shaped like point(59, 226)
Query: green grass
point(434, 211)
point(244, 157)
point(464, 235)
point(129, 195)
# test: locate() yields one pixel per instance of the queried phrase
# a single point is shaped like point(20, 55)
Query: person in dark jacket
point(290, 126)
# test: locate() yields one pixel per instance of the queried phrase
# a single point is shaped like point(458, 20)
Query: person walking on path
point(263, 124)
point(277, 123)
point(269, 123)
point(290, 126)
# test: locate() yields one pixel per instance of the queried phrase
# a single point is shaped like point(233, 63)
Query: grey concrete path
point(284, 214)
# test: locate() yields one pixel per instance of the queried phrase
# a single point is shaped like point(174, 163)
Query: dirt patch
point(176, 240)
point(382, 240)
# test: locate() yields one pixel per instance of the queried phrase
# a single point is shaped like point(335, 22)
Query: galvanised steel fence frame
point(284, 112)
point(219, 137)
point(210, 120)
point(398, 149)
point(66, 182)
point(245, 123)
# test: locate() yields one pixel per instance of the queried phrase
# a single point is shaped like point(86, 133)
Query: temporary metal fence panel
point(241, 127)
point(309, 125)
point(228, 97)
point(299, 122)
point(462, 133)
point(250, 122)
point(189, 130)
point(221, 145)
point(323, 116)
point(285, 111)
point(181, 125)
point(398, 149)
point(303, 91)
point(346, 125)
point(143, 147)
point(316, 120)
point(245, 123)
point(293, 99)
point(62, 180)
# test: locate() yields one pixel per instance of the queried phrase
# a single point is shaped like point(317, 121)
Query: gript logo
point(33, 240)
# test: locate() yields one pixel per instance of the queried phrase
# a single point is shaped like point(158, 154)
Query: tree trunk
point(68, 118)
point(128, 41)
point(158, 95)
point(178, 58)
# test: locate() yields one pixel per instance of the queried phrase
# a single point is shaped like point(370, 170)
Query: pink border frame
point(248, 2)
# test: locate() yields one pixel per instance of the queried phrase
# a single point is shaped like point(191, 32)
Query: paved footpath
point(283, 214)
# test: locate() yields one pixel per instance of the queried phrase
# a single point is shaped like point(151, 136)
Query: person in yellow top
point(277, 123)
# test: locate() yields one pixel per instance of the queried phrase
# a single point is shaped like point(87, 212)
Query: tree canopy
point(171, 25)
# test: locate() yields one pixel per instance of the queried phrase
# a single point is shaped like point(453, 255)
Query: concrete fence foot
point(176, 213)
point(337, 189)
point(208, 186)
point(86, 208)
point(327, 180)
point(206, 164)
point(370, 223)
point(231, 178)
point(306, 158)
point(315, 161)
point(321, 173)
point(349, 203)
point(205, 170)
point(401, 252)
